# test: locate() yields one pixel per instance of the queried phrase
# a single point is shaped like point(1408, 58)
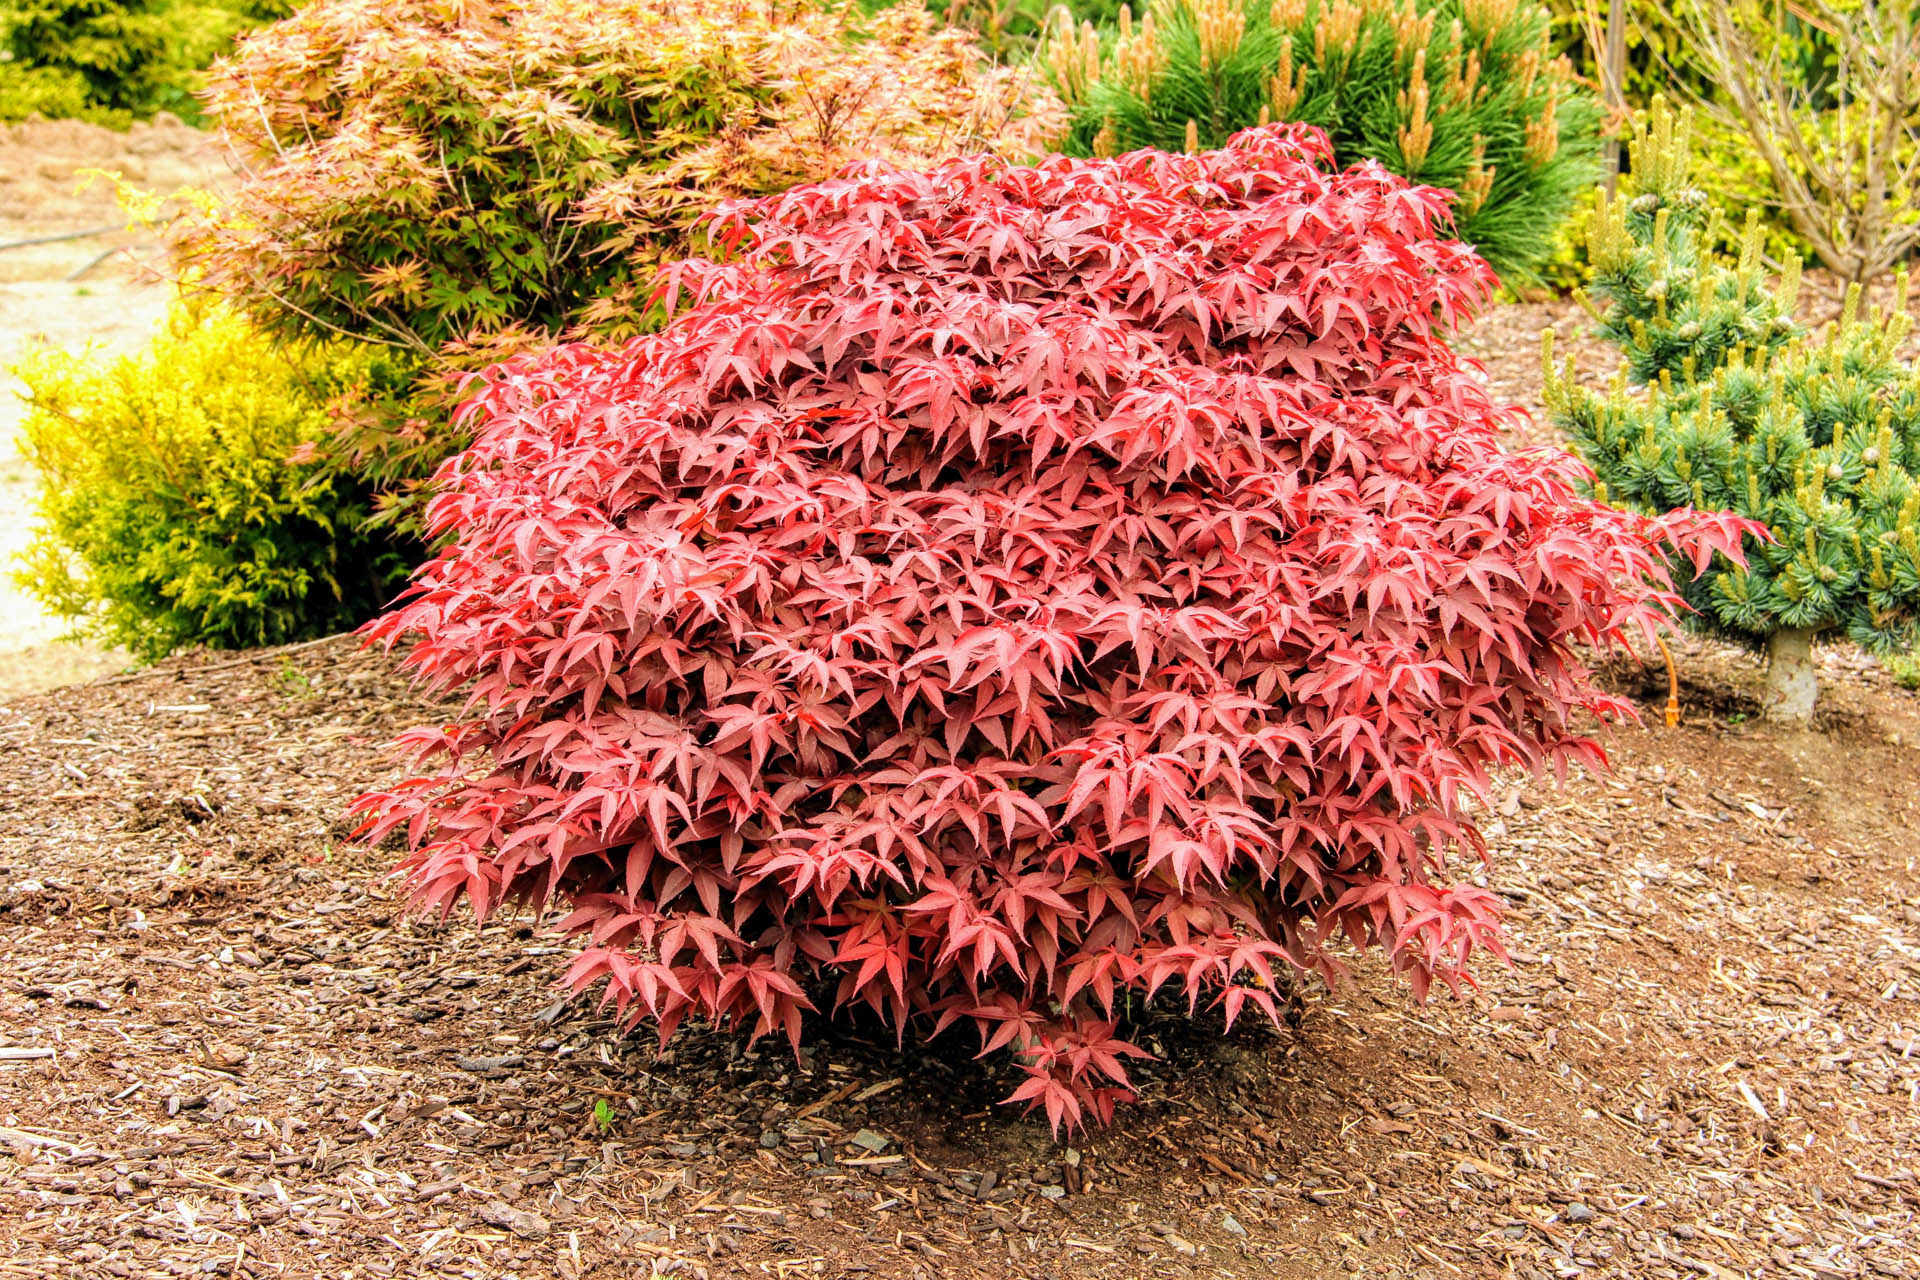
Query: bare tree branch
point(1844, 155)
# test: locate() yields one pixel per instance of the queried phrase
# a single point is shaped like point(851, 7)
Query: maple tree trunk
point(1791, 683)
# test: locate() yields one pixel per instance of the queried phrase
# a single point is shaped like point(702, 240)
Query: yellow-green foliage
point(114, 61)
point(1659, 61)
point(39, 91)
point(173, 511)
point(1723, 403)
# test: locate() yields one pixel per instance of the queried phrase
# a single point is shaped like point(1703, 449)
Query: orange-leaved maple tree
point(1003, 588)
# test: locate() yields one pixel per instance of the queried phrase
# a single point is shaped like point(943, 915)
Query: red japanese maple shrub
point(1003, 587)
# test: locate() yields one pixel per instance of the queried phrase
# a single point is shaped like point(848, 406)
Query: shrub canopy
point(172, 510)
point(426, 171)
point(1814, 438)
point(1003, 589)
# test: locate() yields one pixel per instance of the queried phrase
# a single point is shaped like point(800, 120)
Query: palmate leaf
point(1161, 650)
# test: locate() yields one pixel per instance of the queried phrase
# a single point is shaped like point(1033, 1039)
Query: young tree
point(1724, 403)
point(1829, 96)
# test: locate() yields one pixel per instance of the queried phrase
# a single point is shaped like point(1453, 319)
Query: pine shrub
point(1007, 29)
point(1460, 94)
point(1004, 592)
point(172, 512)
point(1725, 402)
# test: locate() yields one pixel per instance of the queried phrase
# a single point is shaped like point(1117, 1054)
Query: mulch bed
point(225, 1049)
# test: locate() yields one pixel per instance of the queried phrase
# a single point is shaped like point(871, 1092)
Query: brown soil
point(58, 176)
point(228, 1051)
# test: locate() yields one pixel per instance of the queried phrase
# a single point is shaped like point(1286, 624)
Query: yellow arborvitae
point(1416, 135)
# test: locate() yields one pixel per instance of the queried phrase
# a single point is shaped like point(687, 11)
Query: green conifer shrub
point(175, 507)
point(1723, 402)
point(1460, 94)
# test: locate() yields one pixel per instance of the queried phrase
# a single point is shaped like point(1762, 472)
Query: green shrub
point(42, 91)
point(1461, 94)
point(1662, 58)
point(1724, 403)
point(173, 510)
point(112, 61)
point(424, 173)
point(118, 48)
point(462, 183)
point(1007, 29)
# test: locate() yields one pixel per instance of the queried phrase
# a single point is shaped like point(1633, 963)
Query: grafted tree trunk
point(1791, 684)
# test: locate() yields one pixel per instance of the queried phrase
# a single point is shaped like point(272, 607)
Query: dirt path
point(228, 1052)
point(63, 294)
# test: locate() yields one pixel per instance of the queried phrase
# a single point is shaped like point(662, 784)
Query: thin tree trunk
point(1613, 75)
point(1791, 684)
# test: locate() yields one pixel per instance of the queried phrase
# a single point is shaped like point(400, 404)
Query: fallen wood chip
point(24, 1138)
point(526, 1225)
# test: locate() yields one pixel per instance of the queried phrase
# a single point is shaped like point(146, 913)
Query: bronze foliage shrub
point(420, 172)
